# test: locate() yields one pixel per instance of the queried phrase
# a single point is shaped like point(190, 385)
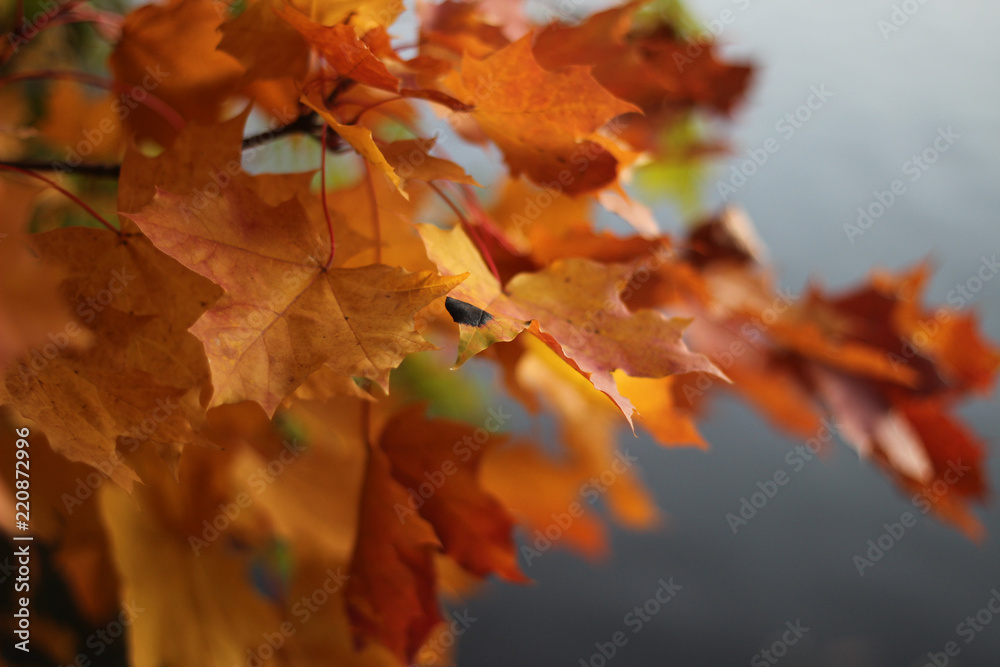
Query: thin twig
point(149, 100)
point(79, 202)
point(306, 124)
point(303, 124)
point(326, 209)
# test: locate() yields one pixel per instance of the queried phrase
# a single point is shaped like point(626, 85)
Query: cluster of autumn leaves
point(238, 352)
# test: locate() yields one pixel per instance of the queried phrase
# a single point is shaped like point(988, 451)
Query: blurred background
point(891, 92)
point(896, 76)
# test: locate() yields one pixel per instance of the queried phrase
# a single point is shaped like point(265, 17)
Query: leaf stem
point(19, 32)
point(150, 101)
point(376, 219)
point(79, 202)
point(470, 228)
point(107, 24)
point(483, 218)
point(326, 210)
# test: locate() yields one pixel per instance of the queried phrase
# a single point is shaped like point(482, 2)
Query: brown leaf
point(141, 379)
point(343, 49)
point(438, 463)
point(266, 46)
point(170, 51)
point(284, 313)
point(391, 594)
point(544, 122)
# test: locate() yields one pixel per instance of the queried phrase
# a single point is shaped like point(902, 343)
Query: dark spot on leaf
point(466, 313)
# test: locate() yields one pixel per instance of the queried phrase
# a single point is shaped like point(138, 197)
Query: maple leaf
point(327, 437)
point(343, 49)
point(381, 221)
point(588, 426)
point(266, 46)
point(30, 307)
point(580, 308)
point(520, 213)
point(852, 357)
point(536, 486)
point(284, 313)
point(221, 343)
point(905, 426)
point(200, 157)
point(151, 548)
point(461, 28)
point(141, 378)
point(391, 593)
point(365, 15)
point(659, 410)
point(361, 139)
point(478, 304)
point(579, 313)
point(170, 51)
point(473, 526)
point(71, 118)
point(647, 63)
point(411, 158)
point(544, 122)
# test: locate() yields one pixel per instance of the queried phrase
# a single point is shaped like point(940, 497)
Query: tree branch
point(304, 124)
point(110, 170)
